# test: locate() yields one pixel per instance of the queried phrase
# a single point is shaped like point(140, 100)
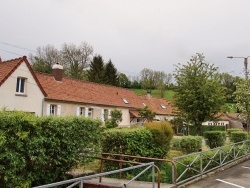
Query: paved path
point(134, 184)
point(234, 177)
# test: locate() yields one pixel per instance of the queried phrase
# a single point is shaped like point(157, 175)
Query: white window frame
point(80, 111)
point(53, 110)
point(21, 83)
point(90, 112)
point(125, 100)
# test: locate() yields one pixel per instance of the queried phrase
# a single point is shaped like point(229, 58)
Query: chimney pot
point(57, 71)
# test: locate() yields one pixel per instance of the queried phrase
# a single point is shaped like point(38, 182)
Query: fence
point(197, 164)
point(80, 181)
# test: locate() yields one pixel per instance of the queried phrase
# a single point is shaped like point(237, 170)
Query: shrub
point(229, 131)
point(205, 128)
point(191, 143)
point(238, 136)
point(215, 138)
point(41, 150)
point(162, 135)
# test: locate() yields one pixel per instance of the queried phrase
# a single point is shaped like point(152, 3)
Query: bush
point(229, 131)
point(190, 144)
point(162, 135)
point(215, 138)
point(238, 136)
point(205, 128)
point(38, 151)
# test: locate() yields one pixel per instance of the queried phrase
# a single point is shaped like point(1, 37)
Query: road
point(234, 177)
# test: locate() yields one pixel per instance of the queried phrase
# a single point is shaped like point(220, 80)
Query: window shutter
point(86, 112)
point(109, 115)
point(58, 110)
point(48, 110)
point(78, 111)
point(102, 115)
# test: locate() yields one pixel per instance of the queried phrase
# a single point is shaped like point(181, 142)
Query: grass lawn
point(168, 94)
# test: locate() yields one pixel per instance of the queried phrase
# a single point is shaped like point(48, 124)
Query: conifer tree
point(97, 70)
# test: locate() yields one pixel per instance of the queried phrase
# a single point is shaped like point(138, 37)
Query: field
point(168, 94)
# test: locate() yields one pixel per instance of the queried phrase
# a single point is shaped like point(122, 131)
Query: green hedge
point(36, 151)
point(215, 138)
point(190, 144)
point(229, 131)
point(238, 136)
point(204, 128)
point(152, 141)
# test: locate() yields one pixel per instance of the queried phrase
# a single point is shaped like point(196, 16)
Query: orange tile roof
point(87, 92)
point(8, 67)
point(155, 104)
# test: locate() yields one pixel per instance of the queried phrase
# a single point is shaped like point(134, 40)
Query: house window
point(106, 115)
point(20, 85)
point(53, 110)
point(82, 111)
point(163, 106)
point(90, 112)
point(125, 100)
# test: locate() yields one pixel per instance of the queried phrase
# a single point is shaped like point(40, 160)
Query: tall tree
point(110, 74)
point(44, 59)
point(228, 81)
point(242, 98)
point(96, 71)
point(199, 95)
point(76, 59)
point(147, 79)
point(123, 80)
point(162, 80)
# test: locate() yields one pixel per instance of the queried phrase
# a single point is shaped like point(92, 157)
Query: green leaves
point(36, 151)
point(199, 94)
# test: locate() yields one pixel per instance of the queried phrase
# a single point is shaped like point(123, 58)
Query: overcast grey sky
point(134, 34)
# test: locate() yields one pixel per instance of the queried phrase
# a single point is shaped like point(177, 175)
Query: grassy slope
point(169, 95)
point(155, 93)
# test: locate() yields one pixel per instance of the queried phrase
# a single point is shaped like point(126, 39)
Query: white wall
point(70, 109)
point(32, 102)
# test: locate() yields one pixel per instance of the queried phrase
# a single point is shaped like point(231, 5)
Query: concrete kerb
point(220, 169)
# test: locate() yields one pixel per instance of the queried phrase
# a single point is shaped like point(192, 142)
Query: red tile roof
point(8, 67)
point(87, 92)
point(156, 105)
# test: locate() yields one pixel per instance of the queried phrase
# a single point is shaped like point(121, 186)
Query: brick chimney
point(57, 72)
point(0, 60)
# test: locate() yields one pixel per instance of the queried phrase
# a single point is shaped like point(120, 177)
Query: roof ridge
point(85, 81)
point(18, 58)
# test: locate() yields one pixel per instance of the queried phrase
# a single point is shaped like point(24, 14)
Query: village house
point(54, 95)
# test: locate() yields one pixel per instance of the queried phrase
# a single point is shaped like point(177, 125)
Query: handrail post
point(100, 170)
point(201, 164)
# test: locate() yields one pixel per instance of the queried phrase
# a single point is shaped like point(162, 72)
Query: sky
point(134, 34)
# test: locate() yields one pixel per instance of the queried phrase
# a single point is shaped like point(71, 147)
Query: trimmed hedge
point(238, 136)
point(229, 131)
point(191, 144)
point(152, 141)
point(215, 138)
point(204, 128)
point(36, 151)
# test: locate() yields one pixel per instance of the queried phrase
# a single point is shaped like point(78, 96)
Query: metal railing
point(197, 164)
point(122, 156)
point(80, 181)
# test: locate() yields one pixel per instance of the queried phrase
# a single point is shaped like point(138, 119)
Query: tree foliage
point(116, 118)
point(124, 80)
point(110, 74)
point(147, 113)
point(199, 95)
point(242, 98)
point(36, 151)
point(96, 71)
point(75, 59)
